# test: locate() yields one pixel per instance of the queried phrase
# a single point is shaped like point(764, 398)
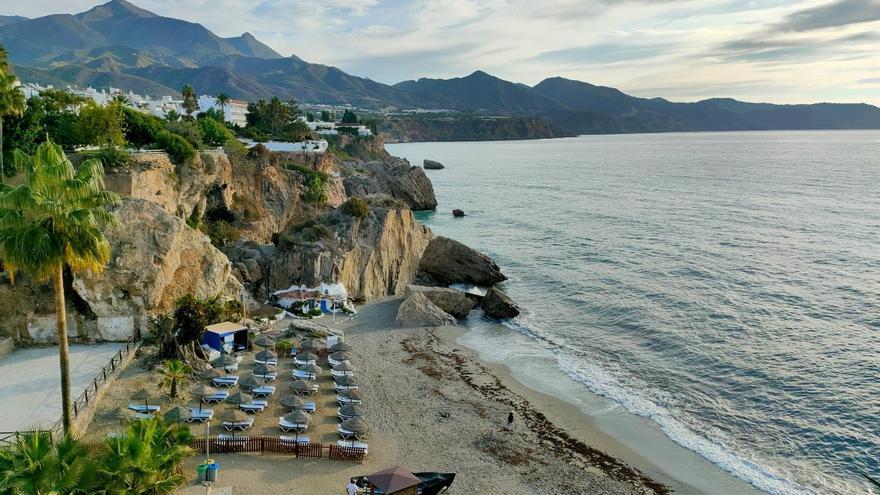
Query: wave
point(603, 382)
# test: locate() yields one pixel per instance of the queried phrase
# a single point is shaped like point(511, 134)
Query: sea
point(722, 287)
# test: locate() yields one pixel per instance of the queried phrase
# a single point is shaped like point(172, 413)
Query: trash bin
point(211, 472)
point(201, 469)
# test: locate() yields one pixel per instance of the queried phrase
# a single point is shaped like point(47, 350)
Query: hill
point(121, 45)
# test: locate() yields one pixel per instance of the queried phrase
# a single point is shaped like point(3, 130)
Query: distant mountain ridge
point(121, 45)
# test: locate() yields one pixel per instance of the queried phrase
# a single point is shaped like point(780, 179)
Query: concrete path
point(30, 389)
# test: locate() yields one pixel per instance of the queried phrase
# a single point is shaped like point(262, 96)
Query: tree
point(146, 459)
point(214, 133)
point(35, 465)
point(24, 132)
point(12, 101)
point(277, 118)
point(122, 100)
point(349, 117)
point(174, 373)
point(315, 193)
point(172, 115)
point(54, 220)
point(325, 116)
point(190, 102)
point(222, 101)
point(101, 125)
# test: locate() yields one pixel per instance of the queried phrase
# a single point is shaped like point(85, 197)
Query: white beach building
point(235, 112)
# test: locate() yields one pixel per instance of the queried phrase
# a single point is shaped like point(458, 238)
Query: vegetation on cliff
point(466, 128)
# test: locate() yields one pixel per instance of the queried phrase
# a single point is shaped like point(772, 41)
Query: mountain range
point(121, 45)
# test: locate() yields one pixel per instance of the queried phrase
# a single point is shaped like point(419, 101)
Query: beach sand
point(432, 406)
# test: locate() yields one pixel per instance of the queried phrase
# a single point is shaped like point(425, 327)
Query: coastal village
point(249, 306)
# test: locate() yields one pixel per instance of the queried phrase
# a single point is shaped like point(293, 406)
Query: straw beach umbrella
point(201, 391)
point(340, 357)
point(233, 416)
point(352, 411)
point(298, 418)
point(344, 367)
point(250, 383)
point(301, 387)
point(294, 402)
point(224, 361)
point(263, 369)
point(239, 398)
point(357, 426)
point(266, 356)
point(308, 344)
point(176, 414)
point(306, 357)
point(264, 341)
point(313, 369)
point(351, 394)
point(345, 381)
point(340, 347)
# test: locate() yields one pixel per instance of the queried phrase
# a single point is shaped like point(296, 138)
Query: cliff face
point(156, 259)
point(373, 257)
point(394, 177)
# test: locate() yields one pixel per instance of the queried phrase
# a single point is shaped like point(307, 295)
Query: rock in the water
point(396, 178)
point(454, 302)
point(499, 306)
point(432, 165)
point(450, 262)
point(418, 311)
point(156, 259)
point(457, 213)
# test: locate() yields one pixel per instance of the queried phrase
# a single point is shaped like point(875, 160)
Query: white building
point(332, 128)
point(235, 112)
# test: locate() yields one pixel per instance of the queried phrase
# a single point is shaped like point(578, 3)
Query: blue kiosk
point(226, 337)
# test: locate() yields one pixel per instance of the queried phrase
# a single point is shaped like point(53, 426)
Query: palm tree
point(222, 101)
point(35, 466)
point(172, 115)
point(190, 103)
point(12, 101)
point(146, 459)
point(54, 219)
point(174, 373)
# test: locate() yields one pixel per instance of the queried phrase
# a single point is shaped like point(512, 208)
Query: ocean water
point(723, 285)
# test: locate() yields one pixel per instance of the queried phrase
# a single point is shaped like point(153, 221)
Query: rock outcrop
point(373, 257)
point(498, 306)
point(454, 302)
point(156, 259)
point(447, 262)
point(418, 311)
point(432, 165)
point(394, 177)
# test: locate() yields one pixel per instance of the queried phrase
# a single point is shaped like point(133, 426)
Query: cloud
point(606, 52)
point(831, 15)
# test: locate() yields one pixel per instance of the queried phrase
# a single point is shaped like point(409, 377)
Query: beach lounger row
point(144, 409)
point(199, 416)
point(353, 444)
point(288, 427)
point(347, 434)
point(225, 381)
point(254, 406)
point(267, 362)
point(241, 425)
point(264, 391)
point(215, 398)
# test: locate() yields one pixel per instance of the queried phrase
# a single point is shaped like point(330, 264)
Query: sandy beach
point(432, 406)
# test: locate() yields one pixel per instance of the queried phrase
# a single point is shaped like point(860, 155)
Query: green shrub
point(215, 133)
point(112, 157)
point(316, 312)
point(356, 207)
point(178, 148)
point(141, 128)
point(189, 130)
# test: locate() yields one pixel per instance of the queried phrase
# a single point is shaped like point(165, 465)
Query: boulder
point(394, 177)
point(418, 311)
point(155, 259)
point(457, 213)
point(432, 165)
point(448, 262)
point(454, 302)
point(498, 306)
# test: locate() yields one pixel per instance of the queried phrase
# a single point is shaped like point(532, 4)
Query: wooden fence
point(273, 445)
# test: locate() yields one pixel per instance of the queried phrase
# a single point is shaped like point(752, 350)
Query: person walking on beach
point(351, 488)
point(510, 421)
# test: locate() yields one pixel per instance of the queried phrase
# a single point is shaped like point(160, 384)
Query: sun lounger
point(344, 387)
point(344, 401)
point(310, 408)
point(341, 373)
point(215, 398)
point(254, 406)
point(303, 362)
point(196, 416)
point(286, 427)
point(225, 381)
point(335, 362)
point(300, 440)
point(243, 425)
point(269, 362)
point(141, 408)
point(269, 377)
point(303, 375)
point(144, 416)
point(343, 417)
point(349, 444)
point(346, 434)
point(264, 391)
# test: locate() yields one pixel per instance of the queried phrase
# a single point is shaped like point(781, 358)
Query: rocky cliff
point(373, 256)
point(156, 259)
point(394, 177)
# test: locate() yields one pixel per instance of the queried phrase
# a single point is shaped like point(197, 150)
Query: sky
point(781, 51)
